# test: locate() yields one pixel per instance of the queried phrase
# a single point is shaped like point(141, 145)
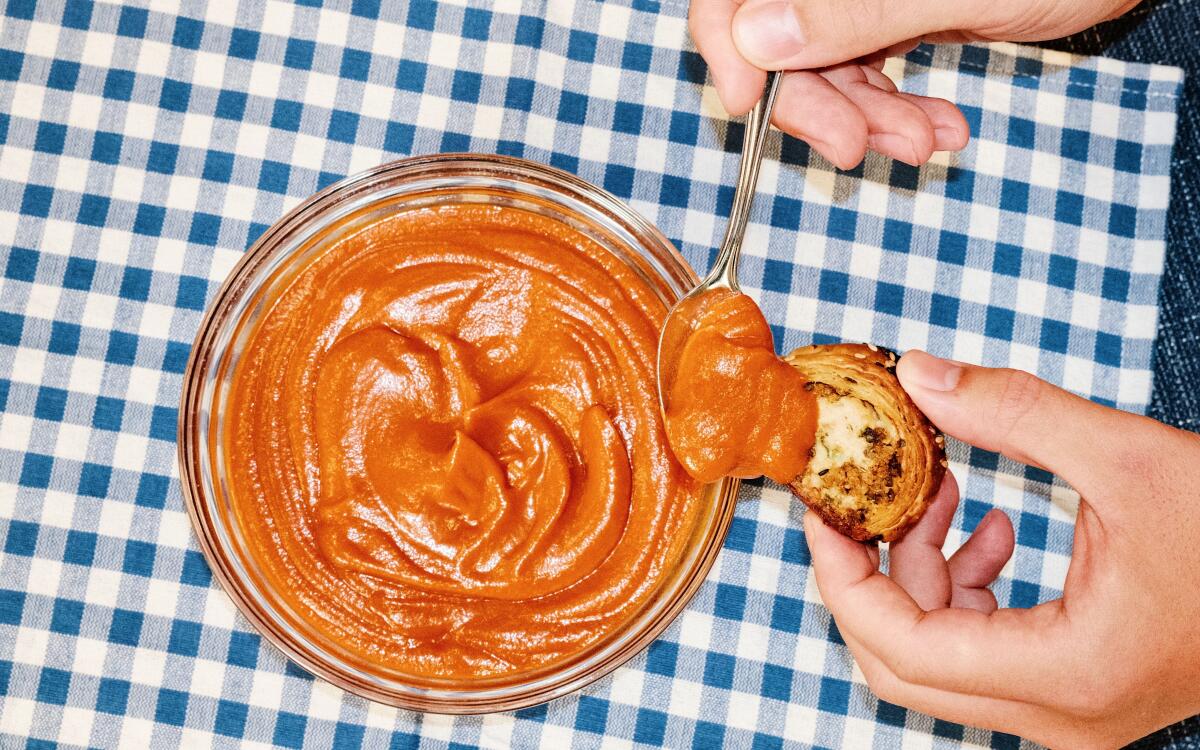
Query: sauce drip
point(444, 446)
point(733, 408)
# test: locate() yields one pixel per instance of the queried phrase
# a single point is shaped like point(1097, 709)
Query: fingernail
point(934, 373)
point(945, 139)
point(896, 146)
point(769, 32)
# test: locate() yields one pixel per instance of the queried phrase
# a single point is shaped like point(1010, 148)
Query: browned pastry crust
point(877, 462)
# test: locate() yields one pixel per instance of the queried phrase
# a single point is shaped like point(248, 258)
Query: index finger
point(738, 83)
point(1010, 654)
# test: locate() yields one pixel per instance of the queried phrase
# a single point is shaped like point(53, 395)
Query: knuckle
point(1020, 396)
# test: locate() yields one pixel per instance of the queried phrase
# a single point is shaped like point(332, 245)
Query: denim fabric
point(1168, 31)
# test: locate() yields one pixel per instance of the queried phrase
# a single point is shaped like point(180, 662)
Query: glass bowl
point(267, 266)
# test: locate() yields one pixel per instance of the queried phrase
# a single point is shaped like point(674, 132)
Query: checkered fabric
point(142, 150)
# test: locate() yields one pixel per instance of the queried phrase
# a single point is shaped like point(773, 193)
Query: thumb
point(1027, 419)
point(802, 34)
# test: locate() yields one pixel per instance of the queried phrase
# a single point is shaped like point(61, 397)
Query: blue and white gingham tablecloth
point(142, 150)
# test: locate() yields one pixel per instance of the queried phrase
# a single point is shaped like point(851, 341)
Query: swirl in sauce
point(444, 445)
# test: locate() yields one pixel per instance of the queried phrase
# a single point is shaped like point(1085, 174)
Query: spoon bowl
point(684, 317)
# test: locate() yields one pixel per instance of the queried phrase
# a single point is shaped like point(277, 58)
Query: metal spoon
point(681, 320)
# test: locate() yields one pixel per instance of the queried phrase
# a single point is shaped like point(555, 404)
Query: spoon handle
point(758, 124)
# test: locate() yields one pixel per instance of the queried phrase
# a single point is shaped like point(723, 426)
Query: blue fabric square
point(842, 223)
point(1032, 531)
point(195, 570)
point(285, 116)
point(188, 32)
point(1007, 260)
point(356, 64)
point(66, 617)
point(947, 730)
point(171, 707)
point(718, 670)
point(785, 213)
point(205, 229)
point(11, 63)
point(289, 730)
point(108, 413)
point(999, 323)
point(126, 627)
point(1024, 594)
point(618, 179)
point(741, 535)
point(1055, 335)
point(661, 657)
point(572, 108)
point(22, 265)
point(1068, 208)
point(730, 601)
point(1122, 220)
point(231, 718)
point(422, 14)
point(904, 176)
point(139, 558)
point(94, 479)
point(952, 248)
point(1020, 132)
point(176, 356)
point(53, 686)
point(519, 94)
point(243, 649)
point(106, 147)
point(466, 85)
point(777, 682)
point(1108, 349)
point(1115, 285)
point(591, 715)
point(1062, 271)
point(93, 210)
point(960, 183)
point(897, 235)
point(1128, 157)
point(162, 157)
point(11, 326)
point(51, 138)
point(274, 177)
point(675, 191)
point(299, 54)
point(411, 76)
point(132, 22)
point(1074, 144)
point(889, 298)
point(365, 8)
point(231, 105)
point(163, 422)
point(122, 348)
point(149, 220)
point(77, 14)
point(12, 606)
point(833, 286)
point(185, 638)
point(63, 75)
point(1014, 196)
point(627, 118)
point(152, 490)
point(175, 95)
point(218, 166)
point(684, 128)
point(5, 675)
point(22, 9)
point(243, 43)
point(777, 276)
point(476, 24)
point(795, 548)
point(766, 742)
point(113, 696)
point(889, 713)
point(348, 736)
point(118, 85)
point(51, 404)
point(36, 200)
point(581, 46)
point(79, 274)
point(21, 538)
point(786, 613)
point(637, 56)
point(399, 137)
point(708, 735)
point(135, 284)
point(343, 126)
point(651, 727)
point(530, 30)
point(80, 548)
point(943, 310)
point(835, 695)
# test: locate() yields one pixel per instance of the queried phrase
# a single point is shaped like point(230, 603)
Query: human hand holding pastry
point(1116, 657)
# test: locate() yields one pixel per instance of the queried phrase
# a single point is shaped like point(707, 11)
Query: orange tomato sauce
point(444, 445)
point(733, 408)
